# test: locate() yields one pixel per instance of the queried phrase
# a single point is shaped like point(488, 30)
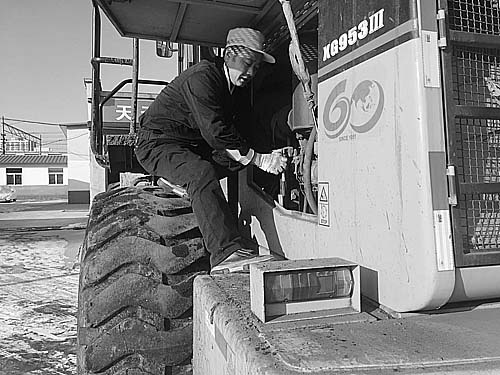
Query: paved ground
point(38, 286)
point(46, 215)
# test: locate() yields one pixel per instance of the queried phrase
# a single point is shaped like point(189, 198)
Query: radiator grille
point(475, 16)
point(476, 76)
point(473, 66)
point(481, 219)
point(478, 150)
point(478, 157)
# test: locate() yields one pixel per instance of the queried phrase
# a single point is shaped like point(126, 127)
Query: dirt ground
point(38, 299)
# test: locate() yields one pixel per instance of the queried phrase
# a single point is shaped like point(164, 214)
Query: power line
point(78, 156)
point(32, 122)
point(64, 139)
point(15, 122)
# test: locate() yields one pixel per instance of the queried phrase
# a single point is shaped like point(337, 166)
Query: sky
point(45, 50)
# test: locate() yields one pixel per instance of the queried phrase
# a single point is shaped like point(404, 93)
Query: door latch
point(442, 30)
point(452, 186)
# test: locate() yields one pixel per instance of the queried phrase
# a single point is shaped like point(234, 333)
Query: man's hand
point(274, 163)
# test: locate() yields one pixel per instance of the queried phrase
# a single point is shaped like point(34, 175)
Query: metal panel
point(187, 21)
point(369, 18)
point(466, 342)
point(198, 21)
point(471, 64)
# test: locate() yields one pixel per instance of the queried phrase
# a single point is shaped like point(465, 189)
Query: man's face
point(243, 67)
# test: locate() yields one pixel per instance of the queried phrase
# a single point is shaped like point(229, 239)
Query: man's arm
point(203, 92)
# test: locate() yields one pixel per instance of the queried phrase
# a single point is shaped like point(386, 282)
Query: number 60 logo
point(361, 111)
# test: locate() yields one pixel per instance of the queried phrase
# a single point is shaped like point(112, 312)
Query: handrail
point(96, 131)
point(120, 85)
point(135, 86)
point(111, 94)
point(97, 141)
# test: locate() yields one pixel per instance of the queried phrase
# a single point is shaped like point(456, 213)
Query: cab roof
point(203, 22)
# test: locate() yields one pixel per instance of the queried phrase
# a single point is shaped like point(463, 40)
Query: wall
point(78, 164)
point(35, 183)
point(99, 178)
point(41, 192)
point(34, 175)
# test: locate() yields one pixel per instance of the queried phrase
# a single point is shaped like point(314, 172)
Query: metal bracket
point(442, 39)
point(452, 187)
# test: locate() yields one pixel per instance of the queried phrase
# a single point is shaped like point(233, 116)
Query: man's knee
point(201, 175)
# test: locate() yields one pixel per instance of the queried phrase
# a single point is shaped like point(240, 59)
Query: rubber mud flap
point(139, 258)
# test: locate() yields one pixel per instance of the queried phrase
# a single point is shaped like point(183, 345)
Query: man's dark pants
point(198, 169)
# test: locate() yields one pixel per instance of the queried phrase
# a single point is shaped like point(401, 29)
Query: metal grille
point(478, 150)
point(478, 157)
point(481, 218)
point(475, 16)
point(309, 52)
point(300, 16)
point(476, 76)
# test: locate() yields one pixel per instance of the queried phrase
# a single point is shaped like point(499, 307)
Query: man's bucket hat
point(249, 38)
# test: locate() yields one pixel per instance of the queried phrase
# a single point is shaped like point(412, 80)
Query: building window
point(20, 145)
point(55, 176)
point(14, 176)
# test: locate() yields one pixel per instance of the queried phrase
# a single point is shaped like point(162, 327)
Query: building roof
point(76, 124)
point(33, 160)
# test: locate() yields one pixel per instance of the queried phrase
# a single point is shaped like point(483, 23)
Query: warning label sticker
point(324, 204)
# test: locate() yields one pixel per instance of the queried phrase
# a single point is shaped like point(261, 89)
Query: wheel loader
point(392, 112)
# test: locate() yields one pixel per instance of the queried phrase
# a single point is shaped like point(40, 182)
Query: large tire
point(140, 255)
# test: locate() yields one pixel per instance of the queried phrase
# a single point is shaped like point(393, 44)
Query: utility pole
point(3, 135)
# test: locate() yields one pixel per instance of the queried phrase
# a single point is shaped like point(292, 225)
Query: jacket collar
point(230, 86)
point(221, 65)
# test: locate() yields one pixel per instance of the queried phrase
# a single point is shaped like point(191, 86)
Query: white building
point(35, 176)
point(78, 147)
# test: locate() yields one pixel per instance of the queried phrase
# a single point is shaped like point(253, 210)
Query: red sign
point(120, 109)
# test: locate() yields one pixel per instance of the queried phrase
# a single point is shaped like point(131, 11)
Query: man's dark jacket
point(197, 108)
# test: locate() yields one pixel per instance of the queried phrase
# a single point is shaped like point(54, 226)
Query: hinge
point(452, 187)
point(442, 39)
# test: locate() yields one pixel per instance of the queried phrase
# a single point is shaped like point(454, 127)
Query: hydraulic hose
point(302, 73)
point(308, 156)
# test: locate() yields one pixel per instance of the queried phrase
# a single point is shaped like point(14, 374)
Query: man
point(189, 137)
